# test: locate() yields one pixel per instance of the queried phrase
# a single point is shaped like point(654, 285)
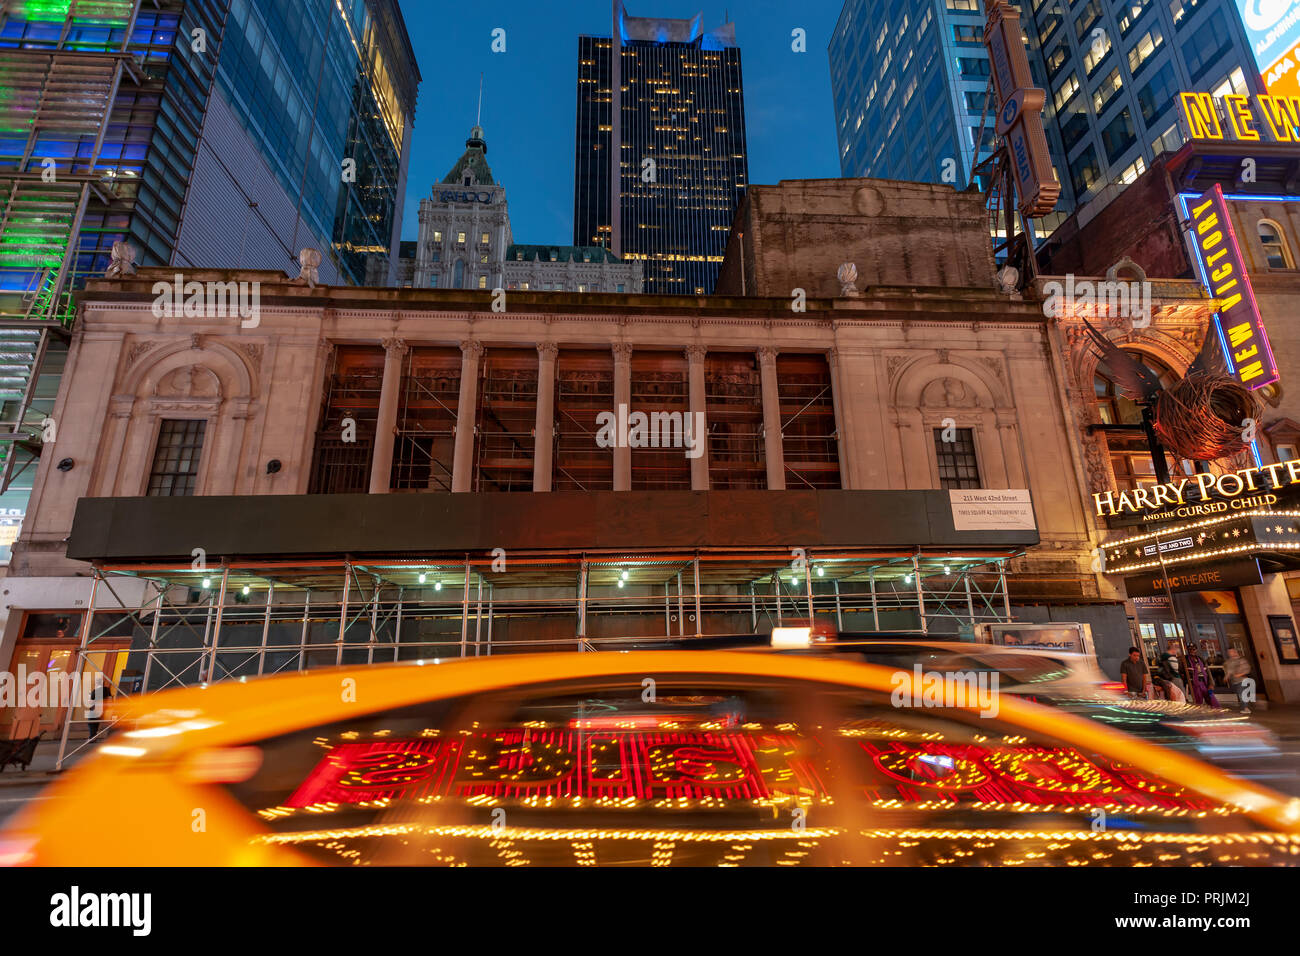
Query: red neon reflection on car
point(727, 765)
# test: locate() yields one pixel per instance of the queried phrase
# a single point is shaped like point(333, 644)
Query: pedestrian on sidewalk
point(1236, 670)
point(1134, 672)
point(1171, 678)
point(1201, 680)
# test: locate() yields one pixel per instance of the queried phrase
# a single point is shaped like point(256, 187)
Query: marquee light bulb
point(207, 583)
point(422, 577)
point(437, 585)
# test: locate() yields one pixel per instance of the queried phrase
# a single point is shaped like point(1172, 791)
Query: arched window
point(1130, 458)
point(459, 280)
point(1276, 252)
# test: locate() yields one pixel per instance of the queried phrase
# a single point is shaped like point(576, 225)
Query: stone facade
point(570, 269)
point(795, 235)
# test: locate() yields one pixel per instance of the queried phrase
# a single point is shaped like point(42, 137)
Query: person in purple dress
point(1201, 680)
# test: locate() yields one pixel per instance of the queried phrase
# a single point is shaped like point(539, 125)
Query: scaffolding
point(193, 625)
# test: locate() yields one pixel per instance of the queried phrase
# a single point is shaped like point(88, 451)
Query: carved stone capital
point(472, 347)
point(397, 345)
point(767, 354)
point(622, 351)
point(547, 351)
point(696, 353)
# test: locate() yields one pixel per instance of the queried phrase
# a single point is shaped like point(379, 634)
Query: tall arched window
point(1276, 251)
point(1130, 458)
point(459, 280)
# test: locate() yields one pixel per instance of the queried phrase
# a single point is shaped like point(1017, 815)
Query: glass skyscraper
point(206, 133)
point(909, 78)
point(661, 102)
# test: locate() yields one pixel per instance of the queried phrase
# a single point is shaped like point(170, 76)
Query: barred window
point(958, 467)
point(176, 458)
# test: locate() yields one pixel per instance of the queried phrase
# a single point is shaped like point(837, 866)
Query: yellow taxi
point(655, 758)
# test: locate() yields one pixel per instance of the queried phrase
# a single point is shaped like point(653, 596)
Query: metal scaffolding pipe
point(464, 614)
point(216, 628)
point(699, 622)
point(1006, 595)
point(343, 611)
point(875, 605)
point(397, 630)
point(807, 577)
point(374, 626)
point(920, 594)
point(266, 629)
point(302, 641)
point(153, 640)
point(582, 604)
point(87, 623)
point(839, 613)
point(478, 617)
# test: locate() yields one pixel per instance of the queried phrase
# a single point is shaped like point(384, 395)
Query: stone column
point(544, 432)
point(462, 471)
point(381, 462)
point(841, 446)
point(772, 442)
point(622, 409)
point(695, 355)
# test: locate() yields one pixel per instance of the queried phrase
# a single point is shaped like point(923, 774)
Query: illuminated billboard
point(1222, 268)
point(1273, 30)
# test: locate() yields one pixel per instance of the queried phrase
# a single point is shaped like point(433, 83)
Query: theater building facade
point(221, 497)
point(362, 475)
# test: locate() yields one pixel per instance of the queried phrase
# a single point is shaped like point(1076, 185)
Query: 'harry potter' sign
point(1201, 495)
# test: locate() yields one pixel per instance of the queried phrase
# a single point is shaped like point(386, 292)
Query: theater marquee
point(1201, 496)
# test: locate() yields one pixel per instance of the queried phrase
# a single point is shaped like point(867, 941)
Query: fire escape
point(56, 99)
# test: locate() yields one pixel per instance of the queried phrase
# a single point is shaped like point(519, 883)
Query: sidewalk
point(41, 769)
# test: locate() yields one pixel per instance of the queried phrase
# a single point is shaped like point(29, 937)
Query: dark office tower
point(661, 140)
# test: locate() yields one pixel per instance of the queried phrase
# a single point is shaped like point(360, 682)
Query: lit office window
point(176, 458)
point(1105, 94)
point(1133, 171)
point(460, 238)
point(437, 236)
point(1129, 14)
point(1143, 49)
point(482, 282)
point(1276, 250)
point(1234, 84)
point(1181, 10)
point(1095, 52)
point(484, 240)
point(1066, 90)
point(958, 466)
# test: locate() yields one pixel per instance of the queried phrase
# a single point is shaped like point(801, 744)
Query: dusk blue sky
point(530, 95)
